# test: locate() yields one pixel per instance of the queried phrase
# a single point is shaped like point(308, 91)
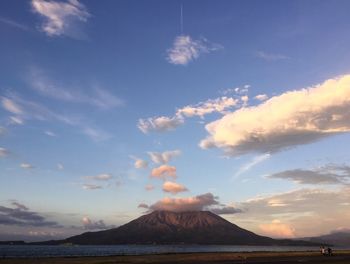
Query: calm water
point(55, 251)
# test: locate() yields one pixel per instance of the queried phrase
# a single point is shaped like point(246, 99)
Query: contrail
point(181, 20)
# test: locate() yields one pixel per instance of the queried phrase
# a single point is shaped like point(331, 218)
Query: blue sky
point(111, 109)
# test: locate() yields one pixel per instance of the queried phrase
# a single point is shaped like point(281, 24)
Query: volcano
point(164, 227)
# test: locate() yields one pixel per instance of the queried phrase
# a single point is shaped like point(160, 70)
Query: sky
point(113, 109)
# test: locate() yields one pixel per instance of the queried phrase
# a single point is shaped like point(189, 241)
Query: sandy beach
point(339, 257)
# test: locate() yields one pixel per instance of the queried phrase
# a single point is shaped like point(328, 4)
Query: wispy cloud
point(29, 110)
point(100, 177)
point(16, 120)
point(60, 166)
point(95, 95)
point(185, 49)
point(91, 187)
point(249, 165)
point(4, 152)
point(11, 106)
point(50, 133)
point(61, 18)
point(159, 124)
point(149, 187)
point(329, 174)
point(27, 166)
point(140, 164)
point(290, 119)
point(271, 56)
point(236, 90)
point(14, 24)
point(164, 157)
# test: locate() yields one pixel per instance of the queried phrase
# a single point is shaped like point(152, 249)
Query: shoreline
point(340, 256)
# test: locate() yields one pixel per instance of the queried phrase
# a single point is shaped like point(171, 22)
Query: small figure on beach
point(323, 250)
point(329, 251)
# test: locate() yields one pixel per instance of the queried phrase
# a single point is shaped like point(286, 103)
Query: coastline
point(339, 257)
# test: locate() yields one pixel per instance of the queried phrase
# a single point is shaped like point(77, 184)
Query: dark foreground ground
point(340, 257)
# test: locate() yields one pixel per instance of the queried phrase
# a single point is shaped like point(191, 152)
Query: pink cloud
point(163, 172)
point(173, 187)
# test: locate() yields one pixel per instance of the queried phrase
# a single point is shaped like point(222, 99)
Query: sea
point(30, 251)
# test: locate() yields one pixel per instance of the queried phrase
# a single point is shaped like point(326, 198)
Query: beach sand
point(340, 257)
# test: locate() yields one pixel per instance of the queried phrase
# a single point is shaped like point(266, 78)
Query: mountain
point(336, 238)
point(164, 227)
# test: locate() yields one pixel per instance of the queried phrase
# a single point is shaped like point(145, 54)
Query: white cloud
point(271, 56)
point(163, 172)
point(290, 119)
point(237, 90)
point(26, 166)
point(185, 49)
point(11, 106)
point(173, 187)
point(163, 123)
point(329, 174)
point(159, 124)
point(4, 152)
point(218, 105)
point(61, 18)
point(91, 187)
point(244, 99)
point(261, 97)
point(100, 177)
point(247, 166)
point(163, 157)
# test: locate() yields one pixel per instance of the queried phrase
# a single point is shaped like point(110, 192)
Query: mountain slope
point(163, 227)
point(336, 238)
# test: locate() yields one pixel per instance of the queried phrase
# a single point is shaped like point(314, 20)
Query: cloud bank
point(329, 174)
point(290, 119)
point(22, 216)
point(88, 224)
point(197, 203)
